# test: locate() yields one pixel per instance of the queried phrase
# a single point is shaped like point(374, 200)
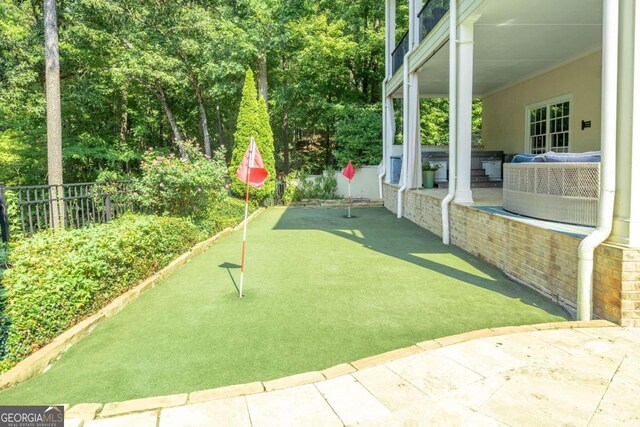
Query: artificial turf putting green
point(320, 290)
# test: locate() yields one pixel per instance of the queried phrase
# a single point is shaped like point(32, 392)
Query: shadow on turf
point(382, 232)
point(228, 266)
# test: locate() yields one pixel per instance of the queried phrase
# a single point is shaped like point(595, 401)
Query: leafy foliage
point(434, 120)
point(224, 213)
point(325, 65)
point(359, 136)
point(322, 187)
point(173, 186)
point(58, 278)
point(253, 121)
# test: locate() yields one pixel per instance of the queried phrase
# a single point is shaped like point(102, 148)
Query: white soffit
point(517, 39)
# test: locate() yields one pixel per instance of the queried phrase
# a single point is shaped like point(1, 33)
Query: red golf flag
point(349, 172)
point(252, 167)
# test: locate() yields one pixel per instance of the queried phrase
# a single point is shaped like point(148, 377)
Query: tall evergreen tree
point(253, 121)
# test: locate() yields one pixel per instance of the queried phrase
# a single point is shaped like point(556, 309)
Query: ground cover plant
point(320, 290)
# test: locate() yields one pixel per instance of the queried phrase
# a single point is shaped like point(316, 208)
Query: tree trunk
point(204, 125)
point(54, 115)
point(177, 136)
point(262, 77)
point(327, 153)
point(285, 118)
point(124, 125)
point(124, 116)
point(220, 141)
point(285, 142)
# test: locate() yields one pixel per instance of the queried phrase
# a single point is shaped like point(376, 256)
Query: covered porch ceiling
point(518, 39)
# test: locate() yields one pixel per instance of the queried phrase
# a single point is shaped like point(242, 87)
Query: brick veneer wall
point(630, 287)
point(542, 259)
point(617, 283)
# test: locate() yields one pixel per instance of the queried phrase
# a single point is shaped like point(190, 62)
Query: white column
point(411, 160)
point(406, 127)
point(390, 35)
point(626, 220)
point(388, 119)
point(389, 125)
point(414, 23)
point(464, 112)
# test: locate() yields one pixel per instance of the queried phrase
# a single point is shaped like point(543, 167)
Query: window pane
point(549, 128)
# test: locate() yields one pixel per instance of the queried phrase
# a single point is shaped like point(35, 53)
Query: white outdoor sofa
point(561, 192)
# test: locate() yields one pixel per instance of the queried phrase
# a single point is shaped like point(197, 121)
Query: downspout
point(405, 132)
point(608, 165)
point(453, 118)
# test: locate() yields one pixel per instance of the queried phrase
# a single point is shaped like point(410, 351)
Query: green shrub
point(291, 191)
point(4, 320)
point(179, 187)
point(58, 278)
point(224, 213)
point(323, 187)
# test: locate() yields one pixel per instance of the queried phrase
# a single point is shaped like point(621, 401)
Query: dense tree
point(152, 73)
point(359, 136)
point(253, 122)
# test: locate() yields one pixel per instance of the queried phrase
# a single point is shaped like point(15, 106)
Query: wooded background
point(150, 73)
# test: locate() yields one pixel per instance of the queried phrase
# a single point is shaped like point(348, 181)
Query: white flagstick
point(246, 213)
point(349, 215)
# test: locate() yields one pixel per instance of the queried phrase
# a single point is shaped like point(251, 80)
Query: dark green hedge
point(227, 213)
point(58, 278)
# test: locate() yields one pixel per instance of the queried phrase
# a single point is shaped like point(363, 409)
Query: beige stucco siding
point(503, 125)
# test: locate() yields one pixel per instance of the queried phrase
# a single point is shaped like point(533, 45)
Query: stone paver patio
point(531, 376)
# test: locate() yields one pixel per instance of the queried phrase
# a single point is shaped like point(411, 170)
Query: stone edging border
point(37, 362)
point(338, 203)
point(89, 411)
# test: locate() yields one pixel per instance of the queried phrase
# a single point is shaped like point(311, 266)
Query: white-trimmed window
point(548, 126)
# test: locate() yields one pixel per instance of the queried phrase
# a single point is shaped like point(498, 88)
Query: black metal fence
point(28, 209)
point(432, 13)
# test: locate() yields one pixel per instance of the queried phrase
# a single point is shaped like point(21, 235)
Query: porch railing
point(432, 13)
point(397, 57)
point(25, 210)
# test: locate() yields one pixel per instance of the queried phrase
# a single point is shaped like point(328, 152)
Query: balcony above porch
point(513, 41)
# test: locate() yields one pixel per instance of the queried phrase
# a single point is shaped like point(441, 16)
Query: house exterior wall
point(503, 118)
point(544, 260)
